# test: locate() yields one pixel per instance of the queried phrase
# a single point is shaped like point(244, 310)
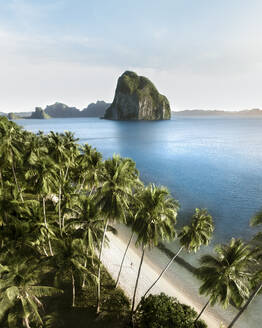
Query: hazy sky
point(199, 53)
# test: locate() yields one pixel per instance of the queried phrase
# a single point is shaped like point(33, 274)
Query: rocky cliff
point(95, 109)
point(39, 114)
point(136, 98)
point(61, 110)
point(13, 116)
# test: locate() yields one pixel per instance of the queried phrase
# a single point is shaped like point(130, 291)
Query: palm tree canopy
point(254, 222)
point(19, 286)
point(70, 257)
point(257, 219)
point(199, 232)
point(87, 221)
point(42, 176)
point(119, 178)
point(156, 216)
point(226, 276)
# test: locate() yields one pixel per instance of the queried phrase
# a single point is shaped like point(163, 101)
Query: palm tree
point(226, 276)
point(36, 148)
point(257, 279)
point(20, 291)
point(68, 201)
point(8, 207)
point(10, 153)
point(72, 150)
point(89, 168)
point(119, 178)
point(43, 180)
point(95, 168)
point(19, 239)
point(17, 232)
point(198, 233)
point(82, 167)
point(155, 221)
point(69, 260)
point(59, 154)
point(88, 225)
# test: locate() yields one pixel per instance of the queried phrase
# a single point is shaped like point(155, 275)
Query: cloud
point(196, 55)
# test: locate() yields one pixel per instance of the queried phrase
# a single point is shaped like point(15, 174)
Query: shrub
point(162, 311)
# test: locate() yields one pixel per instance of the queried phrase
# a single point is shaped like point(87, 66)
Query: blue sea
point(213, 163)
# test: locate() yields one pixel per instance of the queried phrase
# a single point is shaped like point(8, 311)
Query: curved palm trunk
point(162, 272)
point(48, 238)
point(123, 259)
point(206, 305)
point(138, 275)
point(92, 190)
point(81, 186)
point(16, 182)
point(84, 279)
point(63, 221)
point(1, 179)
point(44, 250)
point(59, 209)
point(252, 296)
point(73, 289)
point(67, 168)
point(99, 269)
point(26, 322)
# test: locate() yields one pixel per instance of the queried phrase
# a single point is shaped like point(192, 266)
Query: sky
point(201, 54)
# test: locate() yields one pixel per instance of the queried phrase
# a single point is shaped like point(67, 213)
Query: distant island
point(12, 116)
point(98, 109)
point(136, 98)
point(200, 112)
point(60, 110)
point(39, 113)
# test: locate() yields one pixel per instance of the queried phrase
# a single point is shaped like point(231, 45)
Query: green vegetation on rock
point(136, 98)
point(13, 116)
point(39, 113)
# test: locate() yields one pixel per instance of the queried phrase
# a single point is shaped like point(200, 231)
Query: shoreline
point(154, 262)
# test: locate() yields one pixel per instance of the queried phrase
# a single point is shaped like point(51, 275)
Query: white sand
point(112, 258)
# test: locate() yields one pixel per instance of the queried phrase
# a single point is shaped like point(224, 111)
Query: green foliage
point(142, 91)
point(39, 114)
point(20, 294)
point(226, 277)
point(119, 178)
point(13, 116)
point(199, 232)
point(257, 219)
point(162, 311)
point(156, 216)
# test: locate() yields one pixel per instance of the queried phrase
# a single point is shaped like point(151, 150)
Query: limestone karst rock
point(136, 98)
point(39, 113)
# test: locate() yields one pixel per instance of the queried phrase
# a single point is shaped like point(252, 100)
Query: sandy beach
point(168, 283)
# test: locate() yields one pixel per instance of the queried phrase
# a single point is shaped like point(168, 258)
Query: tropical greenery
point(226, 276)
point(192, 236)
point(256, 269)
point(59, 200)
point(154, 221)
point(162, 311)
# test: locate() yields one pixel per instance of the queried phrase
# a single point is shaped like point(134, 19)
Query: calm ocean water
point(214, 163)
